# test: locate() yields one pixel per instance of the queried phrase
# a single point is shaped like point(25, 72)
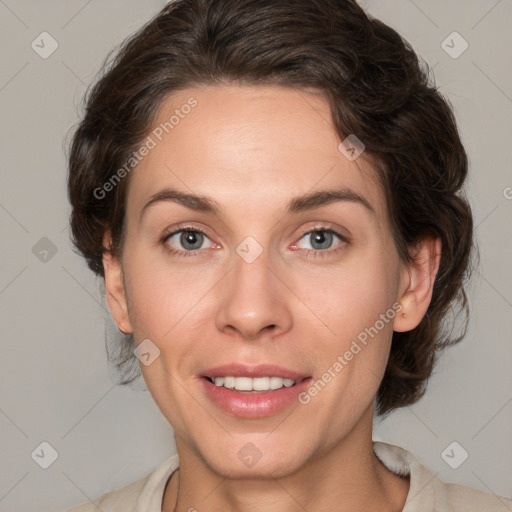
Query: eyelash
point(309, 252)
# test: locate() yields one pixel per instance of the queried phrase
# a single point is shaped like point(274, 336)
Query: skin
point(251, 149)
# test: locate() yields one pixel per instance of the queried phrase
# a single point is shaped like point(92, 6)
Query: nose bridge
point(253, 298)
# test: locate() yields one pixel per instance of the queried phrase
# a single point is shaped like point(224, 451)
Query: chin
point(253, 457)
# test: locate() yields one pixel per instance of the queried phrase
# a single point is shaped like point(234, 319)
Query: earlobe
point(114, 288)
point(421, 273)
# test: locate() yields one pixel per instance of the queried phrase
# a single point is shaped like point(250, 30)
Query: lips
point(255, 403)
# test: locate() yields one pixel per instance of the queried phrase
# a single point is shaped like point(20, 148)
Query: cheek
point(158, 300)
point(350, 297)
point(147, 292)
point(355, 307)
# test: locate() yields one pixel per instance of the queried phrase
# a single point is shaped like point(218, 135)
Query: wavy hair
point(377, 89)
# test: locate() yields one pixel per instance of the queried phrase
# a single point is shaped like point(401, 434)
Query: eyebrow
point(306, 202)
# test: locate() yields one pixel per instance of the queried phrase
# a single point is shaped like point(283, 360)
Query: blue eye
point(191, 240)
point(321, 239)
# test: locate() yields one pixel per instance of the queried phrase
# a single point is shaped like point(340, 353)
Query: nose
point(254, 300)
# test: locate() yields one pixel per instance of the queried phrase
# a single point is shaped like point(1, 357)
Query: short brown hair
point(376, 89)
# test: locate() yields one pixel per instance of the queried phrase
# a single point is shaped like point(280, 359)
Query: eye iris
point(324, 238)
point(191, 237)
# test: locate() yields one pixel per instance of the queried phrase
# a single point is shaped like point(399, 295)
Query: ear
point(418, 283)
point(114, 288)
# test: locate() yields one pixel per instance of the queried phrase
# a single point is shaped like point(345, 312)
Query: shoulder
point(452, 496)
point(119, 499)
point(428, 493)
point(144, 494)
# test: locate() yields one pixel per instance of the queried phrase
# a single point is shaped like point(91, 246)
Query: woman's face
point(246, 289)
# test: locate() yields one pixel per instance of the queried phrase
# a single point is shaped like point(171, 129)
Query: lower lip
point(259, 404)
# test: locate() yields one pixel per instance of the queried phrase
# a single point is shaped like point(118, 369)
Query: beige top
point(427, 493)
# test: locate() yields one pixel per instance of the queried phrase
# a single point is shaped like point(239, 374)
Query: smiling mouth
point(253, 392)
point(253, 384)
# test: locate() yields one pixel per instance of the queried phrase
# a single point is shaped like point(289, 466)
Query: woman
point(272, 193)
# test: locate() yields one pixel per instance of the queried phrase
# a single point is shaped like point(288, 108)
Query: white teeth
point(261, 383)
point(276, 382)
point(256, 384)
point(243, 384)
point(229, 382)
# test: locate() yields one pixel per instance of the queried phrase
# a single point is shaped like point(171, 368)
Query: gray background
point(54, 381)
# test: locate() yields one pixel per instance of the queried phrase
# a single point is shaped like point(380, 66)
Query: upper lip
point(253, 371)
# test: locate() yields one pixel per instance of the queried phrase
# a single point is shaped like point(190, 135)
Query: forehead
point(266, 142)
